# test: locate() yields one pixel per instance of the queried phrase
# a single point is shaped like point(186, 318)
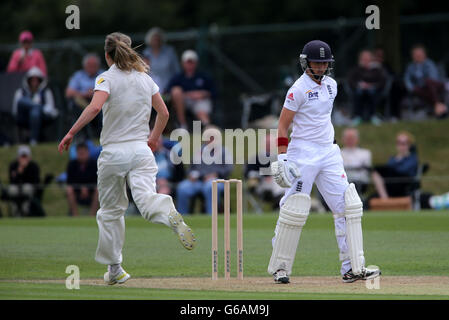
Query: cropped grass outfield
point(401, 243)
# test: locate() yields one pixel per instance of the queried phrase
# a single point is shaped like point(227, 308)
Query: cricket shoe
point(183, 231)
point(119, 278)
point(366, 274)
point(281, 276)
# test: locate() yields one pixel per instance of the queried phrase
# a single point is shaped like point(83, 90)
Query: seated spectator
point(393, 179)
point(33, 104)
point(264, 186)
point(356, 160)
point(200, 176)
point(366, 82)
point(94, 153)
point(26, 57)
point(161, 58)
point(165, 168)
point(24, 188)
point(422, 79)
point(94, 150)
point(81, 186)
point(80, 89)
point(191, 90)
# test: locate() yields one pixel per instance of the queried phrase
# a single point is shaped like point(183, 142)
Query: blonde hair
point(118, 46)
point(410, 137)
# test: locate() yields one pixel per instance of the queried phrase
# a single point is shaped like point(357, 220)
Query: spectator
point(356, 160)
point(33, 104)
point(366, 81)
point(26, 57)
point(263, 186)
point(393, 179)
point(422, 79)
point(165, 168)
point(162, 58)
point(81, 85)
point(192, 90)
point(200, 176)
point(94, 150)
point(82, 181)
point(24, 187)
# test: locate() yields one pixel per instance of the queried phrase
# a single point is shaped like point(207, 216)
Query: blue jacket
point(417, 73)
point(199, 81)
point(407, 166)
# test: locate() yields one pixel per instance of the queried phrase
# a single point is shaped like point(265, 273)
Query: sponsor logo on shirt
point(290, 96)
point(101, 80)
point(312, 95)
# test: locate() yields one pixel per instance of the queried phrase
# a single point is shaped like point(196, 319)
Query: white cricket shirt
point(126, 112)
point(313, 104)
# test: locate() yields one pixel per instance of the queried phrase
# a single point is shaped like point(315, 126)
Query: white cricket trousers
point(119, 164)
point(322, 165)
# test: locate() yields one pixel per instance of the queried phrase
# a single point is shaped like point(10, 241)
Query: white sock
point(114, 268)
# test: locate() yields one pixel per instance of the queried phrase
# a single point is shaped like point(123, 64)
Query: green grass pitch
point(35, 252)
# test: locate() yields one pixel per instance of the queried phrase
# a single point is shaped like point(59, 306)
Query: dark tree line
point(47, 17)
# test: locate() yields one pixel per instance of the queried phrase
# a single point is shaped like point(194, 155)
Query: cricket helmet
point(316, 51)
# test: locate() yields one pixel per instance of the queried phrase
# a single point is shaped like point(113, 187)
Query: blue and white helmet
point(316, 51)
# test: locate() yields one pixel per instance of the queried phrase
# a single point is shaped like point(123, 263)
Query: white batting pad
point(354, 237)
point(292, 217)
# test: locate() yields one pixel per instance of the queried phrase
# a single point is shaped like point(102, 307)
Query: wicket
point(227, 228)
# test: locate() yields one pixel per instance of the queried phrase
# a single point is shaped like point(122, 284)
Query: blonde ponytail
point(118, 47)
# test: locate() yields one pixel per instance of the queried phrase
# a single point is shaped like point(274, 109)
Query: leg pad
point(353, 214)
point(292, 217)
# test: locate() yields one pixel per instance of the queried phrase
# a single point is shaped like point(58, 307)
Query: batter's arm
point(285, 119)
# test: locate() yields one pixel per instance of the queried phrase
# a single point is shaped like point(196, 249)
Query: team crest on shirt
point(101, 80)
point(312, 95)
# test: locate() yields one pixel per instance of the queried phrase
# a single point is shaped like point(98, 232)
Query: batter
point(311, 156)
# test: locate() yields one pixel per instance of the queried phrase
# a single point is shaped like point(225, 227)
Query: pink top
point(34, 58)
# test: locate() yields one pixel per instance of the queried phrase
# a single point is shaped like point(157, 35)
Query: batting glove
point(284, 172)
